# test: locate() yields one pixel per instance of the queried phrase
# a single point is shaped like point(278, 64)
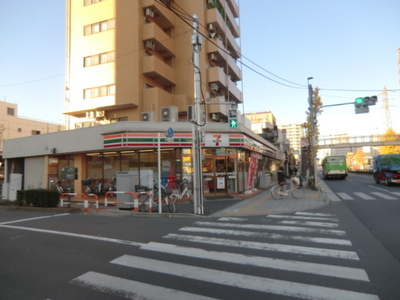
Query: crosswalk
point(384, 195)
point(298, 256)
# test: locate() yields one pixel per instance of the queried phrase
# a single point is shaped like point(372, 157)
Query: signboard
point(169, 132)
point(220, 182)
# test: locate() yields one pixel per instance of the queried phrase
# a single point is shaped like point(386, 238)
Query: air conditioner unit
point(191, 116)
point(211, 2)
point(147, 116)
point(215, 117)
point(90, 114)
point(211, 27)
point(214, 86)
point(221, 92)
point(213, 57)
point(169, 114)
point(150, 44)
point(100, 113)
point(149, 12)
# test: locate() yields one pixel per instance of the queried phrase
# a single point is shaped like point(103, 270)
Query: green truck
point(387, 168)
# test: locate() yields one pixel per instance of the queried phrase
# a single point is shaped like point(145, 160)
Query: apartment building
point(130, 71)
point(261, 121)
point(132, 60)
point(294, 133)
point(12, 126)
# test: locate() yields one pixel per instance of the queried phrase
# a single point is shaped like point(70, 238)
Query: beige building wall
point(129, 59)
point(261, 120)
point(12, 126)
point(294, 133)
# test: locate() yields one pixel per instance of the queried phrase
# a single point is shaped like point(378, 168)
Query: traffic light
point(361, 104)
point(365, 101)
point(232, 118)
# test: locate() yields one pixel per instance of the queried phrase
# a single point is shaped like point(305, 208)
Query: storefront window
point(65, 161)
point(111, 165)
point(129, 161)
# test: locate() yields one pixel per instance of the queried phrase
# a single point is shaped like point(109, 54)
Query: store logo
point(217, 139)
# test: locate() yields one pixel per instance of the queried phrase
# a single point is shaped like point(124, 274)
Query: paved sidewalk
point(258, 203)
point(263, 203)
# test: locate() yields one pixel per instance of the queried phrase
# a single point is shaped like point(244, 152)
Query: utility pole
point(313, 170)
point(198, 200)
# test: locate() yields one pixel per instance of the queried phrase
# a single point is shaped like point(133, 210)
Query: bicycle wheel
point(170, 204)
point(298, 192)
point(190, 196)
point(276, 192)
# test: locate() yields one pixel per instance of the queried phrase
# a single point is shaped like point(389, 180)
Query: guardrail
point(86, 203)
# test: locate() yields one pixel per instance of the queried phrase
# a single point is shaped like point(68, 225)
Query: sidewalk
point(258, 203)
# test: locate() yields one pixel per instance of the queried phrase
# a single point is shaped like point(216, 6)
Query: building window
point(10, 111)
point(35, 132)
point(90, 2)
point(99, 27)
point(116, 120)
point(99, 91)
point(97, 59)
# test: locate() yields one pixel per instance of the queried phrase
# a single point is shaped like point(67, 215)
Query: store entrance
point(219, 176)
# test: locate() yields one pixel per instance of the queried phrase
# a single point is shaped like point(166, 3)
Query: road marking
point(374, 187)
point(266, 285)
point(232, 219)
point(302, 218)
point(273, 227)
point(364, 196)
point(269, 235)
point(258, 261)
point(314, 214)
point(266, 246)
point(344, 196)
point(85, 236)
point(37, 218)
point(130, 289)
point(384, 196)
point(395, 193)
point(318, 224)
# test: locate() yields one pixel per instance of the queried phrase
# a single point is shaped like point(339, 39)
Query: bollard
point(86, 206)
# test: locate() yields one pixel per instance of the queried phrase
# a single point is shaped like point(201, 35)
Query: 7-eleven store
point(235, 160)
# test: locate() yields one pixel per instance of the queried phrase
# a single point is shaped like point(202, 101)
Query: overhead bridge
point(358, 141)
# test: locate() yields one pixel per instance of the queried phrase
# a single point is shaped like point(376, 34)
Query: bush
point(38, 198)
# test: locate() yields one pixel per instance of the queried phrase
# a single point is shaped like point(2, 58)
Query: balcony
point(222, 58)
point(154, 98)
point(213, 16)
point(162, 15)
point(163, 44)
point(217, 108)
point(159, 71)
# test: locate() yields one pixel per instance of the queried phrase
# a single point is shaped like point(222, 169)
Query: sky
point(349, 47)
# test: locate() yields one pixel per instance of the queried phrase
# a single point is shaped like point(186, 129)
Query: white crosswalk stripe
point(294, 241)
point(384, 196)
point(345, 196)
point(364, 196)
point(370, 196)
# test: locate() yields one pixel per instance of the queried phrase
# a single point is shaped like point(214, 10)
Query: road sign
point(362, 110)
point(169, 132)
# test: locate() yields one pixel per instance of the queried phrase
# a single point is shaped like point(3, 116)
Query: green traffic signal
point(233, 123)
point(360, 100)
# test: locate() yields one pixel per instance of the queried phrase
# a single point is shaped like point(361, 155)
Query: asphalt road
point(377, 206)
point(323, 254)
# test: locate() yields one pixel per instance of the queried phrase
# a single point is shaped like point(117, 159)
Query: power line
point(27, 82)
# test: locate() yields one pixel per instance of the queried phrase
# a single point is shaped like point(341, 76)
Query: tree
point(317, 111)
point(390, 135)
point(359, 157)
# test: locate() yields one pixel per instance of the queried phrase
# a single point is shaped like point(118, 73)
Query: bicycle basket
point(296, 180)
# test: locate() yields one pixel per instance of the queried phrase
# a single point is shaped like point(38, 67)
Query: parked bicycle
point(144, 201)
point(177, 194)
point(296, 190)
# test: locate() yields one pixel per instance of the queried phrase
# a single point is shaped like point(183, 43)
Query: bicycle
point(176, 194)
point(296, 190)
point(144, 204)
